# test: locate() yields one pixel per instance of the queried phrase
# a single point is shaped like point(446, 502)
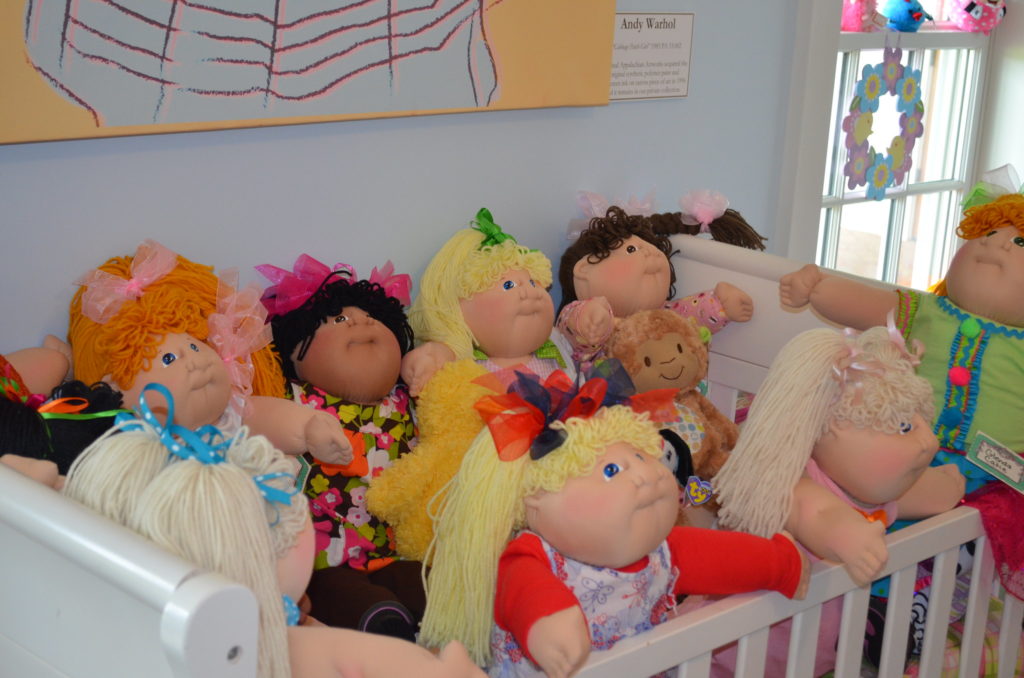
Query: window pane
point(862, 236)
point(946, 87)
point(929, 230)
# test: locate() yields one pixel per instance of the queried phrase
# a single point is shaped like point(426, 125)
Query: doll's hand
point(736, 303)
point(560, 642)
point(593, 322)
point(40, 470)
point(326, 440)
point(420, 364)
point(454, 662)
point(795, 288)
point(860, 546)
point(805, 569)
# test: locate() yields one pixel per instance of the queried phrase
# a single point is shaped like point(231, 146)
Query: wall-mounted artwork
point(87, 68)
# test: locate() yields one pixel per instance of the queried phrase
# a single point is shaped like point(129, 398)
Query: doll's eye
point(340, 319)
point(906, 427)
point(630, 249)
point(679, 348)
point(168, 358)
point(508, 284)
point(610, 471)
point(1019, 241)
point(533, 283)
point(194, 347)
point(647, 361)
point(990, 234)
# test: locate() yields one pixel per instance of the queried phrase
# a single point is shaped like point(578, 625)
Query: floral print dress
point(346, 533)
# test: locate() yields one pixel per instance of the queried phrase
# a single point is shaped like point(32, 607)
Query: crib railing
point(688, 640)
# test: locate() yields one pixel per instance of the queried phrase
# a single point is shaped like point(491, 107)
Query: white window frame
point(817, 44)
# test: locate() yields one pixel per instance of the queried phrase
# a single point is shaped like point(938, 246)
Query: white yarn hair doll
point(837, 443)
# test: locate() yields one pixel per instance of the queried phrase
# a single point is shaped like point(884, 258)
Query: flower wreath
point(866, 165)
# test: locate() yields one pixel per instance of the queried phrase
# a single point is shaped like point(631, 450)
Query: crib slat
point(939, 604)
point(851, 633)
point(803, 643)
point(698, 667)
point(897, 622)
point(750, 657)
point(1009, 635)
point(982, 571)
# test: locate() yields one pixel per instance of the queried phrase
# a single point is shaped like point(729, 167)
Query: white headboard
point(83, 596)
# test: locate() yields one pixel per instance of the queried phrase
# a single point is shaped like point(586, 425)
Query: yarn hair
point(466, 547)
point(460, 269)
point(597, 241)
point(729, 228)
point(180, 302)
point(296, 328)
point(1006, 210)
point(799, 400)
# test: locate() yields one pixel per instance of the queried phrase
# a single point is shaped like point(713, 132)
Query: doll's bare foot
point(55, 343)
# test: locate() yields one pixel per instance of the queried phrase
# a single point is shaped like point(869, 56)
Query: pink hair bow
point(702, 207)
point(236, 331)
point(291, 289)
point(596, 205)
point(896, 337)
point(851, 365)
point(397, 286)
point(105, 293)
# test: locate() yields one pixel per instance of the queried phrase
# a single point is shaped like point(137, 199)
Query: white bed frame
point(81, 596)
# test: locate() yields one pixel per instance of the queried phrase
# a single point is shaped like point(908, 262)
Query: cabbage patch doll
point(230, 506)
point(341, 342)
point(620, 265)
point(482, 307)
point(973, 325)
point(578, 549)
point(157, 317)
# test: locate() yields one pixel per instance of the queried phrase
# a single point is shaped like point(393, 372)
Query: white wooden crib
point(80, 596)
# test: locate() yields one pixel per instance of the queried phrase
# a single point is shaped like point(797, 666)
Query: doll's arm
point(939, 489)
point(587, 324)
point(841, 300)
point(295, 428)
point(833, 530)
point(324, 652)
point(420, 364)
point(42, 368)
point(559, 643)
point(40, 470)
point(736, 303)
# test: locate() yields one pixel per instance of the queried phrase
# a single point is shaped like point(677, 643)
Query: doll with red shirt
point(581, 512)
point(341, 342)
point(620, 265)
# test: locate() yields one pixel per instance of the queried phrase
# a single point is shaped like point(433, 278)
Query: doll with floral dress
point(341, 342)
point(973, 326)
point(620, 264)
point(579, 549)
point(482, 307)
point(158, 317)
point(836, 447)
point(231, 506)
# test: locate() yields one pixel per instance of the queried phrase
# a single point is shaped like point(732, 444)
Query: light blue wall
point(363, 192)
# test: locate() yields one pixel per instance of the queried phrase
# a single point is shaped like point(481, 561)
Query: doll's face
point(295, 567)
point(612, 517)
point(512, 318)
point(986, 277)
point(194, 374)
point(352, 356)
point(634, 277)
point(666, 362)
point(875, 467)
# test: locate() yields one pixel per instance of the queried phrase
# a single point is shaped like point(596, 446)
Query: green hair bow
point(493, 235)
point(994, 184)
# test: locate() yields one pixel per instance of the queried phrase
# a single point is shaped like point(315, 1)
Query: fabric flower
point(358, 496)
point(908, 91)
point(377, 460)
point(319, 483)
point(879, 176)
point(358, 516)
point(384, 440)
point(357, 467)
point(892, 69)
point(869, 87)
point(857, 165)
point(322, 534)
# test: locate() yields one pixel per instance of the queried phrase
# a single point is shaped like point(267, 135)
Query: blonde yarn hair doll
point(584, 478)
point(158, 317)
point(836, 444)
point(231, 507)
point(483, 306)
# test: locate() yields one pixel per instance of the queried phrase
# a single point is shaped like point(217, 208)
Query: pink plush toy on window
point(620, 265)
point(977, 16)
point(157, 317)
point(577, 549)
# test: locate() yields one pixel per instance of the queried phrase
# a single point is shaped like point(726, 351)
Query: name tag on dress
point(997, 459)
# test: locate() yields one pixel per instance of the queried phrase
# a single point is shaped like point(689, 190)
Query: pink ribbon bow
point(596, 205)
point(702, 207)
point(397, 286)
point(896, 337)
point(105, 293)
point(291, 289)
